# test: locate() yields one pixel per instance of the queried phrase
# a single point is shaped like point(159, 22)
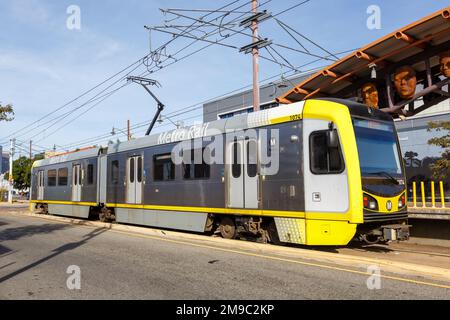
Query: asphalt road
point(36, 253)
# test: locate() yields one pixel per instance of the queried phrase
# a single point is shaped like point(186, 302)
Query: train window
point(63, 174)
point(51, 178)
point(324, 159)
point(236, 166)
point(163, 168)
point(90, 174)
point(75, 176)
point(196, 170)
point(131, 171)
point(252, 166)
point(115, 172)
point(139, 169)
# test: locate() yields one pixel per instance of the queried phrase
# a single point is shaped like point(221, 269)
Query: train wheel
point(102, 216)
point(106, 215)
point(227, 228)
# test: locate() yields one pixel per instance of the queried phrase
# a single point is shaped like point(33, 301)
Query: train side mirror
point(333, 139)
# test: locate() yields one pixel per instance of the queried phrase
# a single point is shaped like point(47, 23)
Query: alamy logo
point(374, 19)
point(73, 22)
point(374, 281)
point(74, 280)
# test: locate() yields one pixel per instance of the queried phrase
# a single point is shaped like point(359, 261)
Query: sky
point(44, 64)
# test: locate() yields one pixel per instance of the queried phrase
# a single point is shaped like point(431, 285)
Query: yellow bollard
point(422, 189)
point(441, 186)
point(433, 198)
point(414, 195)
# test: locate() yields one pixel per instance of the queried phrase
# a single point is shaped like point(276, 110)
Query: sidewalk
point(16, 204)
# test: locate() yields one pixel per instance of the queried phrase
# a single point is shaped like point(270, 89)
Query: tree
point(441, 168)
point(6, 113)
point(410, 156)
point(22, 172)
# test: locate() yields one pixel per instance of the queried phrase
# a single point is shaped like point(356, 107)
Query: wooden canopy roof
point(342, 78)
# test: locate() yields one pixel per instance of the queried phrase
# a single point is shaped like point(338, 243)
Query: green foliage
point(6, 113)
point(3, 192)
point(441, 168)
point(22, 172)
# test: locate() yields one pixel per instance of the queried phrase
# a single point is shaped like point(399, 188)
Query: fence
point(435, 200)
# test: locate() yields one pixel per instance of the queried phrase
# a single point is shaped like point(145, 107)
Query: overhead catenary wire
point(171, 56)
point(74, 100)
point(190, 108)
point(36, 124)
point(286, 27)
point(98, 96)
point(172, 115)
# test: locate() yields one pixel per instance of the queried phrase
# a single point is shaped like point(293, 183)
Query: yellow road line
point(271, 257)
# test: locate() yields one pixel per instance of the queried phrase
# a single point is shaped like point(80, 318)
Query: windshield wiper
point(387, 175)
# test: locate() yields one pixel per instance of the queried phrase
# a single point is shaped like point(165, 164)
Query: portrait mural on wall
point(444, 60)
point(369, 94)
point(405, 82)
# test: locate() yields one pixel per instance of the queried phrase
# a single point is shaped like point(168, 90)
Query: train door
point(40, 185)
point(134, 179)
point(243, 177)
point(325, 173)
point(76, 183)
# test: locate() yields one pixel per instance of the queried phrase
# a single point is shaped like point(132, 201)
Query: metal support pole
point(158, 112)
point(11, 180)
point(433, 199)
point(255, 53)
point(422, 189)
point(441, 187)
point(128, 130)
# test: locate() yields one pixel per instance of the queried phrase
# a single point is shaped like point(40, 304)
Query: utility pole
point(255, 53)
point(128, 130)
point(11, 179)
point(257, 44)
point(31, 155)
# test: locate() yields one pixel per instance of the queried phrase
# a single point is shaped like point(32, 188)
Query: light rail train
point(317, 172)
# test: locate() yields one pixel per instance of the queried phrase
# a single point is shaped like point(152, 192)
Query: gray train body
point(280, 192)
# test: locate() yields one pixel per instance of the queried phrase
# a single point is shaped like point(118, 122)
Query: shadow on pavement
point(28, 231)
point(56, 252)
point(4, 250)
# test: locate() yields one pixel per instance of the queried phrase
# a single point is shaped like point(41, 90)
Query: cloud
point(109, 49)
point(26, 64)
point(29, 11)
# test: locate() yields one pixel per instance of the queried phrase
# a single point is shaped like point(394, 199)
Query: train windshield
point(378, 148)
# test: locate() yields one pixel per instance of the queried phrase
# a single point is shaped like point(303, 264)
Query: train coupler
point(396, 232)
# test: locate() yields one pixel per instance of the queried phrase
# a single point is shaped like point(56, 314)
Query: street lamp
point(113, 132)
point(178, 124)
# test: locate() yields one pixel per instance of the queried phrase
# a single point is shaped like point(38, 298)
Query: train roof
point(72, 156)
point(229, 125)
point(234, 124)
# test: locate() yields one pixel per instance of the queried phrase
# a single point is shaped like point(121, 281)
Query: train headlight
point(370, 202)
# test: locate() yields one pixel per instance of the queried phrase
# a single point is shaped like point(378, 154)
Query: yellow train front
point(364, 169)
